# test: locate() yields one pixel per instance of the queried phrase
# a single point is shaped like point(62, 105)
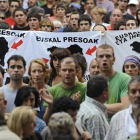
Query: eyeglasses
point(2, 18)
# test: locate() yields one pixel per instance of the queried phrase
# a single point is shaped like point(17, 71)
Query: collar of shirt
point(132, 114)
point(96, 103)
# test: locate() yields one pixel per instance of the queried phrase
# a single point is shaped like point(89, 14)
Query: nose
point(96, 69)
point(28, 103)
point(67, 72)
point(138, 93)
point(129, 68)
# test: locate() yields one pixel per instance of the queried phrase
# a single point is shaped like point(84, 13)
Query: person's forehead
point(84, 21)
point(116, 12)
point(3, 0)
point(18, 62)
point(93, 62)
point(14, 3)
point(99, 28)
point(19, 12)
point(130, 21)
point(74, 15)
point(134, 84)
point(33, 18)
point(102, 50)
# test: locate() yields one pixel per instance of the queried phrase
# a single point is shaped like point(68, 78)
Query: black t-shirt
point(8, 14)
point(47, 10)
point(27, 28)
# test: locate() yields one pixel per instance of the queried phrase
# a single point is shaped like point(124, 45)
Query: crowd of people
point(55, 101)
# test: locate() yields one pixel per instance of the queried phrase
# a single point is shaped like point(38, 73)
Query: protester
point(22, 122)
point(92, 113)
point(46, 25)
point(132, 65)
point(29, 96)
point(4, 6)
point(20, 17)
point(84, 23)
point(57, 25)
point(138, 16)
point(98, 15)
point(5, 133)
point(34, 19)
point(94, 68)
point(13, 5)
point(82, 66)
point(123, 124)
point(69, 86)
point(131, 24)
point(16, 69)
point(39, 75)
point(56, 56)
point(118, 98)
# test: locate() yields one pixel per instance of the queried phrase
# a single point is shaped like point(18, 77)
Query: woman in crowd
point(82, 66)
point(98, 14)
point(39, 74)
point(57, 55)
point(132, 66)
point(22, 122)
point(29, 96)
point(138, 16)
point(57, 25)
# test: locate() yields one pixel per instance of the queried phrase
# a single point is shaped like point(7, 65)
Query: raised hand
point(77, 96)
point(46, 96)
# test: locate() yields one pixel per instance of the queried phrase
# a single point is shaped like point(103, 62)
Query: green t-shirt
point(59, 91)
point(134, 138)
point(118, 87)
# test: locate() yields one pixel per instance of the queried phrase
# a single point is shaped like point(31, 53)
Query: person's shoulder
point(81, 84)
point(123, 75)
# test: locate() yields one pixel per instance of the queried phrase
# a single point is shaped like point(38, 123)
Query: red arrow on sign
point(45, 60)
point(16, 45)
point(90, 51)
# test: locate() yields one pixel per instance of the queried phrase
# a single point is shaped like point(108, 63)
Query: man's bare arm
point(114, 108)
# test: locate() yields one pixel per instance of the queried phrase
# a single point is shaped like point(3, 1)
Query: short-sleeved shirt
point(59, 91)
point(118, 87)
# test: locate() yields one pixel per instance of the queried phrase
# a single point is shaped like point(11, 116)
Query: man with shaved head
point(115, 18)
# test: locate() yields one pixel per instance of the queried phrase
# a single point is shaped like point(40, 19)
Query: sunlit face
point(20, 18)
point(28, 128)
point(94, 68)
point(68, 73)
point(97, 18)
point(33, 23)
point(105, 59)
point(131, 69)
point(30, 101)
point(16, 70)
point(4, 5)
point(84, 26)
point(37, 73)
point(134, 94)
point(131, 24)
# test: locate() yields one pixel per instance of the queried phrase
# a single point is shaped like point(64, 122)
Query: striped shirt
point(92, 115)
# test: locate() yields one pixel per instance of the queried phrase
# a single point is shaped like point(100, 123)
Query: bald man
point(115, 18)
point(94, 68)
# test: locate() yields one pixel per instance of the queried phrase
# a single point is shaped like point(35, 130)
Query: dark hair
point(17, 58)
point(58, 53)
point(60, 5)
point(100, 25)
point(121, 23)
point(75, 13)
point(96, 85)
point(19, 9)
point(2, 71)
point(133, 20)
point(81, 60)
point(36, 9)
point(33, 14)
point(134, 79)
point(69, 10)
point(69, 29)
point(93, 1)
point(64, 103)
point(138, 21)
point(85, 18)
point(23, 93)
point(14, 1)
point(2, 120)
point(4, 25)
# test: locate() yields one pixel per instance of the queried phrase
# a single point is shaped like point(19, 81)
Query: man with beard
point(118, 99)
point(20, 17)
point(124, 124)
point(16, 69)
point(115, 17)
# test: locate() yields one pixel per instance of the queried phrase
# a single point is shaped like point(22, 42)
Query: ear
point(114, 58)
